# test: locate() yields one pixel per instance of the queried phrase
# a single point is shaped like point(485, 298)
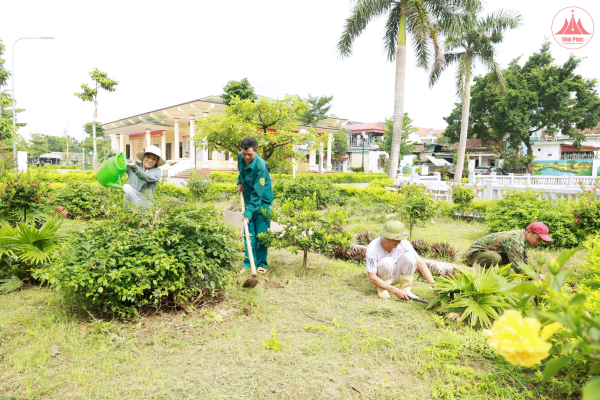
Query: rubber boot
point(406, 283)
point(384, 294)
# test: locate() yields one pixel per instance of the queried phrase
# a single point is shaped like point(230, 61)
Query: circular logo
point(572, 27)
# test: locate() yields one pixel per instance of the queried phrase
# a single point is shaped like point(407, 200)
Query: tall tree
point(38, 145)
point(421, 19)
point(5, 126)
point(340, 144)
point(539, 95)
point(101, 136)
point(273, 123)
point(101, 81)
point(473, 41)
point(241, 89)
point(406, 147)
point(319, 107)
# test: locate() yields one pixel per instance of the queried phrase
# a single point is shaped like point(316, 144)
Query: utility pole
point(67, 142)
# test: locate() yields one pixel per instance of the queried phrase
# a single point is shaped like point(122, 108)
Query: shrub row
point(341, 177)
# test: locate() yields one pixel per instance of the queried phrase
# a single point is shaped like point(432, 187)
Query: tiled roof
point(477, 143)
point(376, 127)
point(595, 130)
point(423, 132)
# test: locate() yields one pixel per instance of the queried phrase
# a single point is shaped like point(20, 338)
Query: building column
point(312, 165)
point(329, 153)
point(205, 151)
point(176, 140)
point(192, 145)
point(121, 143)
point(480, 161)
point(148, 142)
point(163, 145)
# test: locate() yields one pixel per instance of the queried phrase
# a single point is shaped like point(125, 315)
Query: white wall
point(546, 151)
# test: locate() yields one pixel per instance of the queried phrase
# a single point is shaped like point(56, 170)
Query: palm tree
point(422, 20)
point(476, 39)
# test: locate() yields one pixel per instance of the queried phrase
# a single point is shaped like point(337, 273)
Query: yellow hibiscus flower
point(518, 339)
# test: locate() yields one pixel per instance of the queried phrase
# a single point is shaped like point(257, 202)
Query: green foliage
point(370, 195)
point(462, 196)
point(274, 122)
point(325, 193)
point(22, 194)
point(84, 200)
point(198, 186)
point(319, 107)
point(418, 207)
point(273, 343)
point(340, 177)
point(171, 190)
point(340, 145)
point(52, 166)
point(476, 293)
point(243, 90)
point(580, 340)
point(406, 147)
point(519, 208)
point(305, 228)
point(38, 145)
point(170, 253)
point(381, 183)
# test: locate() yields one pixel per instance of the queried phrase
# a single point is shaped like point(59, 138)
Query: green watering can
point(111, 171)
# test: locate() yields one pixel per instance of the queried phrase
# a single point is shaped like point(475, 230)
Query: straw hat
point(152, 150)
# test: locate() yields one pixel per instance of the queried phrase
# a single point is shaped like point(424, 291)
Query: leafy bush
point(349, 253)
point(53, 166)
point(171, 190)
point(224, 176)
point(462, 195)
point(370, 195)
point(85, 200)
point(221, 191)
point(418, 207)
point(22, 194)
point(586, 214)
point(443, 251)
point(75, 176)
point(305, 228)
point(476, 293)
point(324, 192)
point(519, 208)
point(381, 183)
point(364, 238)
point(421, 246)
point(25, 246)
point(198, 186)
point(146, 258)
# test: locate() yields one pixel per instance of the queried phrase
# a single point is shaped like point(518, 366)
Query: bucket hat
point(152, 150)
point(394, 230)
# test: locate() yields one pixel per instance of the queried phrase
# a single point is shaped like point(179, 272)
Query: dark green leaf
point(554, 366)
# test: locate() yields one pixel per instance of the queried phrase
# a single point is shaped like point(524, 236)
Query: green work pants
point(258, 224)
point(487, 259)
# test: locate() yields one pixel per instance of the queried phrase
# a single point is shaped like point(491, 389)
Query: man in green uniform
point(502, 248)
point(255, 182)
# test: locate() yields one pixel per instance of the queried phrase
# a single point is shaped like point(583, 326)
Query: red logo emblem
point(572, 27)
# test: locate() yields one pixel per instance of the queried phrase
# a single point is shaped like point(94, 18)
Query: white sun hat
point(152, 150)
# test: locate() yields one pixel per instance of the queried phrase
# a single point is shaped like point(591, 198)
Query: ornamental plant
point(323, 191)
point(167, 254)
point(418, 207)
point(305, 228)
point(21, 195)
point(578, 343)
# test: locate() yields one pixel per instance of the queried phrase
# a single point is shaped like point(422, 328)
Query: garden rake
point(253, 280)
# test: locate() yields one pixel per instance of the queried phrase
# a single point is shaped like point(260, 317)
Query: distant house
point(483, 155)
point(368, 135)
point(426, 136)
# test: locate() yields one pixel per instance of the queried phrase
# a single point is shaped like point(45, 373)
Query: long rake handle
point(248, 242)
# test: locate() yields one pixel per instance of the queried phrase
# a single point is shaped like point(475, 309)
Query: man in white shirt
point(391, 260)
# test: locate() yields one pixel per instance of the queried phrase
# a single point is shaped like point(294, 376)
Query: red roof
point(477, 143)
point(373, 127)
point(569, 148)
point(423, 132)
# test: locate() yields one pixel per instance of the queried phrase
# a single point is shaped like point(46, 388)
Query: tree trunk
point(529, 156)
point(398, 100)
point(95, 156)
point(305, 257)
point(464, 127)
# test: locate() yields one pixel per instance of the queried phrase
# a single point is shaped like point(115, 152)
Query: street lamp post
point(14, 96)
point(364, 137)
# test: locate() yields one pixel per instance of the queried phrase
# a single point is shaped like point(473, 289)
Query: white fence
point(568, 181)
point(548, 187)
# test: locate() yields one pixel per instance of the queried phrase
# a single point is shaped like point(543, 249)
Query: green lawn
point(334, 339)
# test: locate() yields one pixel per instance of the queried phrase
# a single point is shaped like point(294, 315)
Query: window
point(549, 155)
point(539, 149)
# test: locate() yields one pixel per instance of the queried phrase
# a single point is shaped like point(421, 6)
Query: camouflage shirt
point(512, 243)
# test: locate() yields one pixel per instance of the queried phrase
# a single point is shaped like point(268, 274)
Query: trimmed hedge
point(340, 177)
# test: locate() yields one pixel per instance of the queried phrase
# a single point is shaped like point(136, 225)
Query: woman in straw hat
point(143, 176)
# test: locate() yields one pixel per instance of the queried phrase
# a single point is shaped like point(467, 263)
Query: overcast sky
point(166, 53)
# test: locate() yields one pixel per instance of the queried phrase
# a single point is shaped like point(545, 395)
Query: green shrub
point(481, 206)
point(462, 196)
point(52, 166)
point(304, 186)
point(142, 259)
point(224, 176)
point(586, 214)
point(381, 183)
point(518, 208)
point(24, 193)
point(221, 191)
point(198, 186)
point(85, 200)
point(71, 176)
point(171, 190)
point(370, 195)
